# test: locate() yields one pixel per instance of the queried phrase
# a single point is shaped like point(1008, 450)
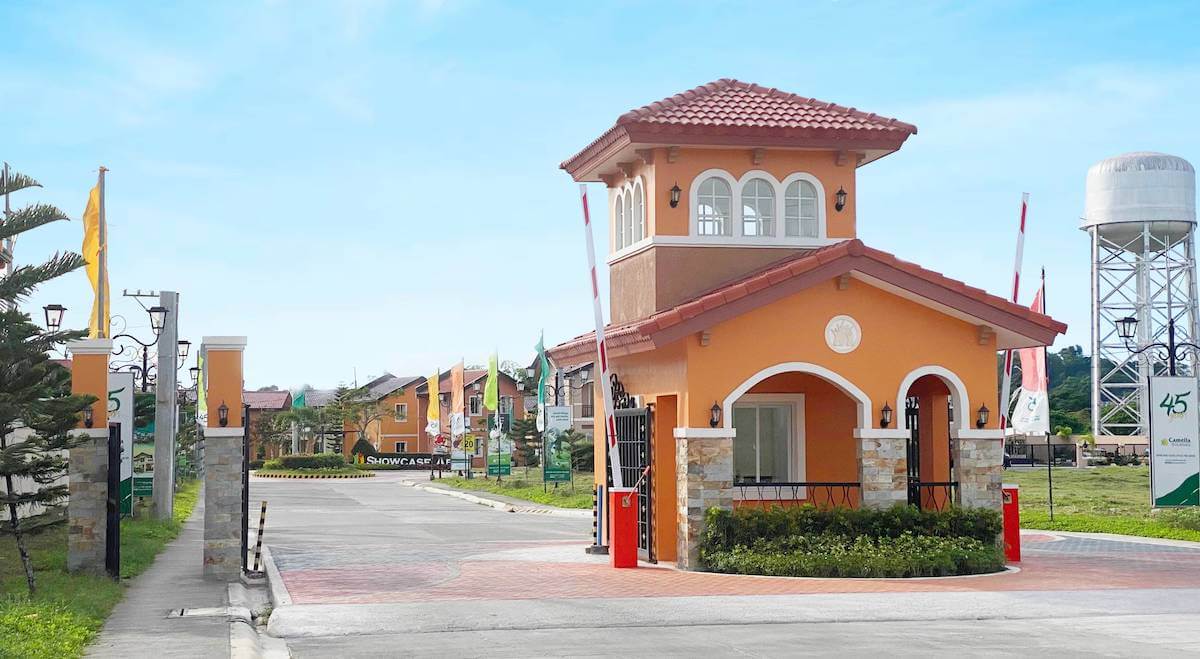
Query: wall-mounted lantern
point(223, 414)
point(675, 195)
point(885, 416)
point(714, 415)
point(840, 199)
point(88, 419)
point(981, 417)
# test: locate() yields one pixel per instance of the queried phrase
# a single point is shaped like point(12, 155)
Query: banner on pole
point(1032, 414)
point(120, 409)
point(557, 466)
point(1174, 442)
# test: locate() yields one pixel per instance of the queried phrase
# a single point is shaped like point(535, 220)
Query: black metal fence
point(822, 494)
point(935, 495)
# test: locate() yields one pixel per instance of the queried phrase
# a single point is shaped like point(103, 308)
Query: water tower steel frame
point(1142, 229)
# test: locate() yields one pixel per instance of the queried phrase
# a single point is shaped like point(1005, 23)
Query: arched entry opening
point(932, 407)
point(795, 438)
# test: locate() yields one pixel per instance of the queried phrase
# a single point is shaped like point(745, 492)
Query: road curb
point(275, 586)
point(503, 505)
point(1117, 537)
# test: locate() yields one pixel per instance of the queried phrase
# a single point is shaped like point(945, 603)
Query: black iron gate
point(634, 435)
point(112, 504)
point(912, 455)
point(245, 487)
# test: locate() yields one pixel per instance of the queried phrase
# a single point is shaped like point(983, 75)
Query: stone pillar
point(704, 479)
point(979, 463)
point(87, 470)
point(882, 466)
point(223, 457)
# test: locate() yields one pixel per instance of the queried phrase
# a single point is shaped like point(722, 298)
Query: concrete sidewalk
point(139, 627)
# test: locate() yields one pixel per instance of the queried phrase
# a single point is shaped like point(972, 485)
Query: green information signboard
point(499, 451)
point(143, 486)
point(558, 452)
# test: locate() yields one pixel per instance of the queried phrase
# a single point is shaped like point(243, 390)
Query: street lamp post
point(1172, 351)
point(158, 316)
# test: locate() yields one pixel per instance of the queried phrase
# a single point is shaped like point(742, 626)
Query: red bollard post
point(1012, 523)
point(623, 536)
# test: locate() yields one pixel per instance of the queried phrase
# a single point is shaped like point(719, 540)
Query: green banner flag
point(491, 396)
point(298, 399)
point(544, 368)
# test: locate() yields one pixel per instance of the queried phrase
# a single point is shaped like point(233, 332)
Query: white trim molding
point(958, 392)
point(91, 433)
point(717, 241)
point(977, 433)
point(881, 433)
point(237, 343)
point(705, 433)
point(90, 346)
point(865, 411)
point(224, 432)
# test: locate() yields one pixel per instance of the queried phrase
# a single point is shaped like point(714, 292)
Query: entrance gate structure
point(634, 436)
point(926, 495)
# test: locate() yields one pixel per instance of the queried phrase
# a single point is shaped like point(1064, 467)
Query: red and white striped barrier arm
point(610, 421)
point(1006, 385)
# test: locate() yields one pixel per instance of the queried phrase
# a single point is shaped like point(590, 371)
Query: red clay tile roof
point(732, 112)
point(800, 271)
point(267, 400)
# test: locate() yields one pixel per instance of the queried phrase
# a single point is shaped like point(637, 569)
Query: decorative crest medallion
point(843, 334)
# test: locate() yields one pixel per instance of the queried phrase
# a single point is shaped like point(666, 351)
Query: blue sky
point(369, 185)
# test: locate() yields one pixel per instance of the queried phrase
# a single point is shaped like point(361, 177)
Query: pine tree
point(35, 400)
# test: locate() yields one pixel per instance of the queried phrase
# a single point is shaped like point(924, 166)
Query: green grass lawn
point(1100, 500)
point(69, 609)
point(527, 484)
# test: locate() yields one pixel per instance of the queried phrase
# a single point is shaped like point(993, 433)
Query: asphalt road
point(377, 568)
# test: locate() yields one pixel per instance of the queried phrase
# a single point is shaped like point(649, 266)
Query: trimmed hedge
point(302, 461)
point(819, 542)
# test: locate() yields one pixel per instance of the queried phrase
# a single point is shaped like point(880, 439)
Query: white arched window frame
point(758, 205)
point(737, 232)
point(712, 199)
point(639, 212)
point(618, 221)
point(629, 238)
point(819, 189)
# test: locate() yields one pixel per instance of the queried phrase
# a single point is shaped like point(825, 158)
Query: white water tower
point(1140, 211)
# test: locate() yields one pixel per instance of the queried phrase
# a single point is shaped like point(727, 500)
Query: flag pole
point(102, 278)
point(1006, 385)
point(1049, 452)
point(610, 424)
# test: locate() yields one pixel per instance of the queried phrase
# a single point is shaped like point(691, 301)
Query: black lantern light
point(675, 195)
point(530, 372)
point(840, 199)
point(885, 416)
point(88, 418)
point(520, 385)
point(714, 415)
point(981, 417)
point(195, 373)
point(223, 414)
point(158, 317)
point(1127, 327)
point(184, 346)
point(54, 316)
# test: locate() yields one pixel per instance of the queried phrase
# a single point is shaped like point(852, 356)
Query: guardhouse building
point(766, 355)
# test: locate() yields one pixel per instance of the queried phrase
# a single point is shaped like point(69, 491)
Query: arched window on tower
point(619, 222)
point(629, 218)
point(639, 213)
point(758, 208)
point(800, 210)
point(714, 201)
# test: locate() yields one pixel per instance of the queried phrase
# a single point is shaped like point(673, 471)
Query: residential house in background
point(263, 406)
point(400, 426)
point(572, 385)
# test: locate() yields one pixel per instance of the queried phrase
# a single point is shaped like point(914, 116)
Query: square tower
point(722, 180)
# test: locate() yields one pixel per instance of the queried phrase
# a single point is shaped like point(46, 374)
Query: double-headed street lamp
point(560, 387)
point(1171, 351)
point(158, 317)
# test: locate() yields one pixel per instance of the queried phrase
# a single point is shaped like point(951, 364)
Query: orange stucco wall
point(898, 336)
point(223, 373)
point(89, 376)
point(829, 422)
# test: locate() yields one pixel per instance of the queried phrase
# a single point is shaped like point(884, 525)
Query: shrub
point(257, 464)
point(318, 461)
point(834, 555)
point(1181, 518)
point(814, 541)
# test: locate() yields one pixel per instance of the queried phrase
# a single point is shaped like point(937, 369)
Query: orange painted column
point(87, 473)
point(224, 457)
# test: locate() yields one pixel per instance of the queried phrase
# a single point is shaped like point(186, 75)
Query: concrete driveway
point(378, 568)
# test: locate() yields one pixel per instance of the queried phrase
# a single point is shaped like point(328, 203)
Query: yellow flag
point(91, 254)
point(434, 406)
